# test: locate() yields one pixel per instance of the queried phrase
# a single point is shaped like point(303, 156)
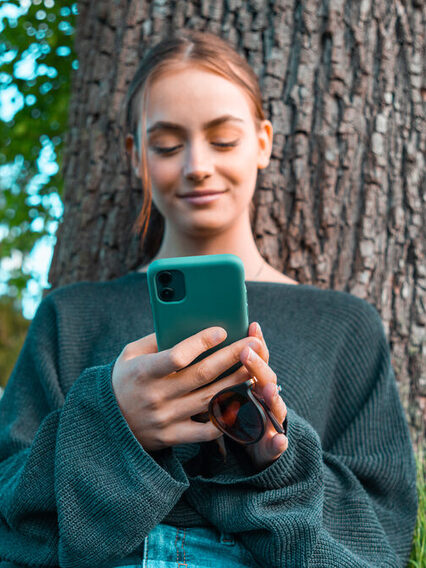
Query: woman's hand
point(158, 392)
point(272, 444)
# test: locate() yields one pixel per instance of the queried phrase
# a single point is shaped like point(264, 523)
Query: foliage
point(418, 552)
point(36, 60)
point(13, 330)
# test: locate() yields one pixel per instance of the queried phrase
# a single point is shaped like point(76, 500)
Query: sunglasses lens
point(236, 415)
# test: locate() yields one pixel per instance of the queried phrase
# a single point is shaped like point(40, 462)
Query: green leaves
point(37, 59)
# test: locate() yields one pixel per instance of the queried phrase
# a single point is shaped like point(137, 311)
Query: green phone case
point(214, 294)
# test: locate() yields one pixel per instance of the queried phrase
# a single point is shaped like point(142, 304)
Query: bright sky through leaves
point(36, 62)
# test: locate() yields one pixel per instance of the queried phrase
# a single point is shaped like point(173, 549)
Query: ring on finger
point(253, 380)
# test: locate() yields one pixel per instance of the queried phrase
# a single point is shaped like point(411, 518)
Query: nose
point(198, 162)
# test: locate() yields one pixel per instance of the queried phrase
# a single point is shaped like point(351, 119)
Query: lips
point(202, 193)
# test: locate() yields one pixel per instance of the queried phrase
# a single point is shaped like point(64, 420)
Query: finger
point(259, 368)
point(277, 445)
point(256, 331)
point(142, 346)
point(187, 432)
point(205, 371)
point(182, 354)
point(274, 401)
point(198, 401)
point(177, 409)
point(268, 449)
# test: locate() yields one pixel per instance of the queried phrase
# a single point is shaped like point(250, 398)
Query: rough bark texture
point(342, 203)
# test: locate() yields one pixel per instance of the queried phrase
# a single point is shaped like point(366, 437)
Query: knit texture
point(78, 490)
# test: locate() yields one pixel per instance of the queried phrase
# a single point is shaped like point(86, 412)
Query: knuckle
point(135, 370)
point(126, 353)
point(254, 342)
point(177, 358)
point(232, 381)
point(235, 351)
point(160, 438)
point(212, 433)
point(206, 341)
point(242, 375)
point(202, 374)
point(209, 338)
point(205, 396)
point(153, 399)
point(165, 438)
point(159, 419)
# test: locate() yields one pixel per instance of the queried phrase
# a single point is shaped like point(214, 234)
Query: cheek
point(243, 168)
point(163, 172)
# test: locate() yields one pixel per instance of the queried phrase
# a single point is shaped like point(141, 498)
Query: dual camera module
point(170, 285)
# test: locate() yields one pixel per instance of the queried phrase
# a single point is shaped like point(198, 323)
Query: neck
point(237, 240)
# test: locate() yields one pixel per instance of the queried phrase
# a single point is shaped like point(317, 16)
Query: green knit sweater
point(78, 490)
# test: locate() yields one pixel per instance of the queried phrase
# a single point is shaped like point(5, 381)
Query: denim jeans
point(197, 547)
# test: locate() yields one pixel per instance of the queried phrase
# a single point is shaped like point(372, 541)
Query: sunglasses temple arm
point(272, 418)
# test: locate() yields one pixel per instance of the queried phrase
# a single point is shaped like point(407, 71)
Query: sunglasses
point(241, 414)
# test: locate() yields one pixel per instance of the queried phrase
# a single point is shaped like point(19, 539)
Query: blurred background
point(36, 64)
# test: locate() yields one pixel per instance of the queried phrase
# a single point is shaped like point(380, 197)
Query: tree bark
point(341, 204)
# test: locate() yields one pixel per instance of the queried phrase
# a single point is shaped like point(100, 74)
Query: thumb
point(143, 346)
point(278, 445)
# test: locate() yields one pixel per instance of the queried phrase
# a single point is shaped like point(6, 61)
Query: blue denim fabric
point(196, 547)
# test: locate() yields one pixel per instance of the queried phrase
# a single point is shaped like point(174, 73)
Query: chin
point(207, 228)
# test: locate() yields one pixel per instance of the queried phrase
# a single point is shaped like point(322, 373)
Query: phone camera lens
point(165, 277)
point(167, 294)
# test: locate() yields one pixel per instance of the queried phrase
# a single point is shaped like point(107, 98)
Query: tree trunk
point(341, 205)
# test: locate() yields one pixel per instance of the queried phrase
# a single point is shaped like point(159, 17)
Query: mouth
point(201, 197)
point(202, 193)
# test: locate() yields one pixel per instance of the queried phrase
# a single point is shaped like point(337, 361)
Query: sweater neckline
point(253, 283)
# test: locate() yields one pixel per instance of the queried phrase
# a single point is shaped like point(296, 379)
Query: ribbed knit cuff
point(109, 490)
point(159, 463)
point(302, 454)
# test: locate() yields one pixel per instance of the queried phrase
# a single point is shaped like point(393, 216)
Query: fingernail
point(219, 335)
point(250, 354)
point(259, 330)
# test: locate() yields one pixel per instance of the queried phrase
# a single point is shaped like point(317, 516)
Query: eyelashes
point(170, 150)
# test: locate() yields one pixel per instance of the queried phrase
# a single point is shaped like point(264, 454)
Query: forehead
point(193, 95)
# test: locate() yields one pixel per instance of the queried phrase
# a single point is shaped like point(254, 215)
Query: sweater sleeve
point(351, 503)
point(76, 487)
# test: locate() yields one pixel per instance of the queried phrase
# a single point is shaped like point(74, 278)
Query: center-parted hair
point(185, 48)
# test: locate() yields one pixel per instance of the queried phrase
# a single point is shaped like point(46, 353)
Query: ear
point(265, 136)
point(132, 150)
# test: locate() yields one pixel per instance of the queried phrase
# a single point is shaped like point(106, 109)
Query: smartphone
point(190, 293)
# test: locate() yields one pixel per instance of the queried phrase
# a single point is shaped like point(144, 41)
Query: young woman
point(100, 462)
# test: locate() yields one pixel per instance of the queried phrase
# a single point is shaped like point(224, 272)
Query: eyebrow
point(177, 127)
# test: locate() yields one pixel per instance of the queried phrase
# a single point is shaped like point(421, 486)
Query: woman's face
point(201, 135)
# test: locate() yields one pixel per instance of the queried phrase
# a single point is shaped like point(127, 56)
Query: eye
point(226, 144)
point(162, 150)
point(170, 149)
